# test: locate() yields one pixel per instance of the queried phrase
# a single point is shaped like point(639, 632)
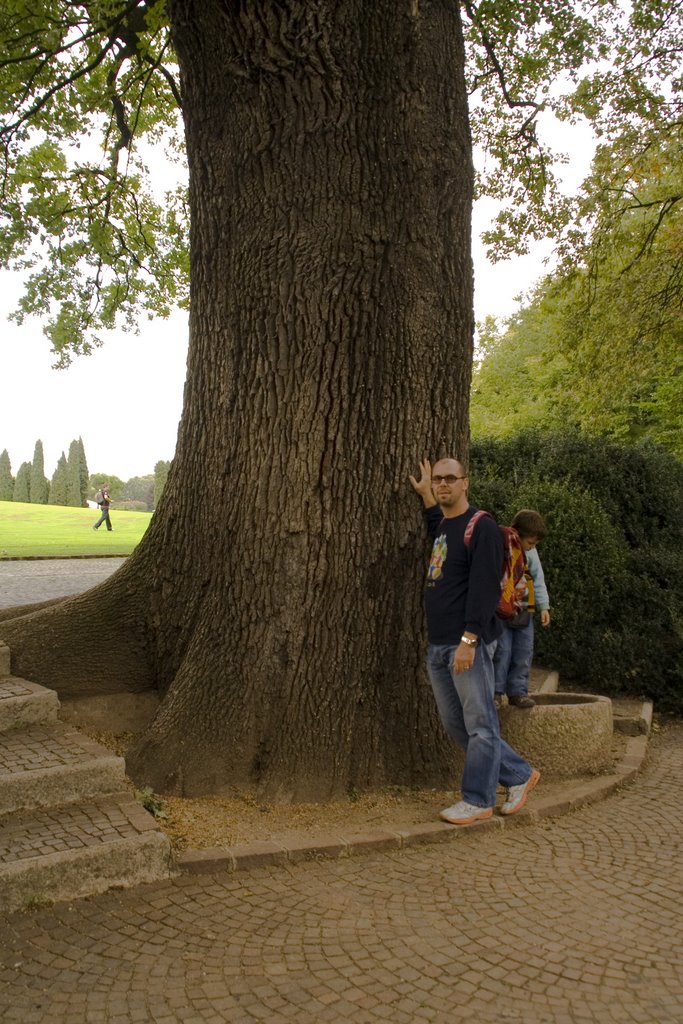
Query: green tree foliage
point(600, 346)
point(621, 285)
point(78, 477)
point(101, 247)
point(39, 483)
point(84, 475)
point(59, 486)
point(519, 53)
point(523, 378)
point(616, 65)
point(623, 313)
point(140, 489)
point(115, 484)
point(613, 556)
point(635, 102)
point(6, 478)
point(161, 469)
point(83, 217)
point(74, 476)
point(22, 484)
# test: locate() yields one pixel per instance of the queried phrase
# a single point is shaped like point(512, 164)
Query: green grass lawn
point(55, 531)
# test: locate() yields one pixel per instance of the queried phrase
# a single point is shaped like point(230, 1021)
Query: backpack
point(513, 586)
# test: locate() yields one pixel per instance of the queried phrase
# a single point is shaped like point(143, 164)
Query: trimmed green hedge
point(613, 556)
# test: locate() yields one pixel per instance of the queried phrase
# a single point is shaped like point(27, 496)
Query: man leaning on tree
point(461, 593)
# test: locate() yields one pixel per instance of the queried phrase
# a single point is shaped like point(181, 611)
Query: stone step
point(50, 765)
point(4, 660)
point(67, 852)
point(631, 716)
point(543, 680)
point(23, 703)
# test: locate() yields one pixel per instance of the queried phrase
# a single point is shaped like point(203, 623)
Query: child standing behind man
point(512, 660)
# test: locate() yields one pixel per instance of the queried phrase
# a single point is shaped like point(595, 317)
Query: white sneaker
point(463, 813)
point(516, 797)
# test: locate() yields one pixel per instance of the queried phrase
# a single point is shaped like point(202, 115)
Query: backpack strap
point(469, 529)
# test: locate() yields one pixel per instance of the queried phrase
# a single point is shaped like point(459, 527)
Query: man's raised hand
point(423, 486)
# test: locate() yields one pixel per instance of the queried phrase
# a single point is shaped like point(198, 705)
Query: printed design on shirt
point(439, 554)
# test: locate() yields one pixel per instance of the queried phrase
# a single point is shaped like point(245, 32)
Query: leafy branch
point(100, 248)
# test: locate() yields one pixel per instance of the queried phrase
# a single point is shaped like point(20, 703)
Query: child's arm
point(540, 588)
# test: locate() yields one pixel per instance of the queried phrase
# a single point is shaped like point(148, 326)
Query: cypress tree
point(84, 475)
point(60, 483)
point(6, 478)
point(74, 493)
point(22, 484)
point(160, 474)
point(39, 485)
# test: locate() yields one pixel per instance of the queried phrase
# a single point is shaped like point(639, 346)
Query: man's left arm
point(486, 562)
point(483, 592)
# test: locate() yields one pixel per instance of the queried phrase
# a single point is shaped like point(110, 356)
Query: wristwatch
point(467, 640)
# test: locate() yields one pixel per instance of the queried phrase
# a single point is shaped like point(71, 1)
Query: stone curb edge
point(265, 853)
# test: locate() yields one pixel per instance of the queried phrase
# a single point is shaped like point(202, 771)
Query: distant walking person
point(103, 502)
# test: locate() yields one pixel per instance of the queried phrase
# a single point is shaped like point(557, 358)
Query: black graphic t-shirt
point(463, 582)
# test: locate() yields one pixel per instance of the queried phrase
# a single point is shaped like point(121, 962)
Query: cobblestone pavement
point(578, 920)
point(28, 581)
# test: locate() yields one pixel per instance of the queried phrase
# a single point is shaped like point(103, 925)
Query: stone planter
point(565, 735)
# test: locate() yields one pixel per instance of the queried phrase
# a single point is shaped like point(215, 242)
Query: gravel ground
point(240, 816)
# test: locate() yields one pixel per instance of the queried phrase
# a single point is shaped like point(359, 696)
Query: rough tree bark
point(275, 601)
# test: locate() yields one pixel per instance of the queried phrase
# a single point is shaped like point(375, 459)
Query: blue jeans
point(104, 518)
point(512, 660)
point(468, 714)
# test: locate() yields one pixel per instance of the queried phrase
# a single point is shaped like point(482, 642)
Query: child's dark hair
point(529, 523)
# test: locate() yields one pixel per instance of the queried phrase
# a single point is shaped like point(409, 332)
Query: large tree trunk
point(276, 599)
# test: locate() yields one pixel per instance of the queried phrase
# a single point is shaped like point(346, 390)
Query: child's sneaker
point(517, 794)
point(522, 700)
point(463, 813)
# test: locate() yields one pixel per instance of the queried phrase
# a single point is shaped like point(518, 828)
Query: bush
point(612, 556)
point(130, 506)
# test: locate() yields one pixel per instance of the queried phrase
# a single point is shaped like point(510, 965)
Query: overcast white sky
point(125, 400)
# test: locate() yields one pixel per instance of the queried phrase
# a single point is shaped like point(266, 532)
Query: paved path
point(27, 582)
point(573, 921)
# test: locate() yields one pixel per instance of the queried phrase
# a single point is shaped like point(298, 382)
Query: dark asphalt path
point(27, 582)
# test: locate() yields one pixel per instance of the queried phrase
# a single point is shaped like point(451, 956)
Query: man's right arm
point(423, 486)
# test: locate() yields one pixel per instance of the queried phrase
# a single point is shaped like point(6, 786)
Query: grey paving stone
point(574, 920)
